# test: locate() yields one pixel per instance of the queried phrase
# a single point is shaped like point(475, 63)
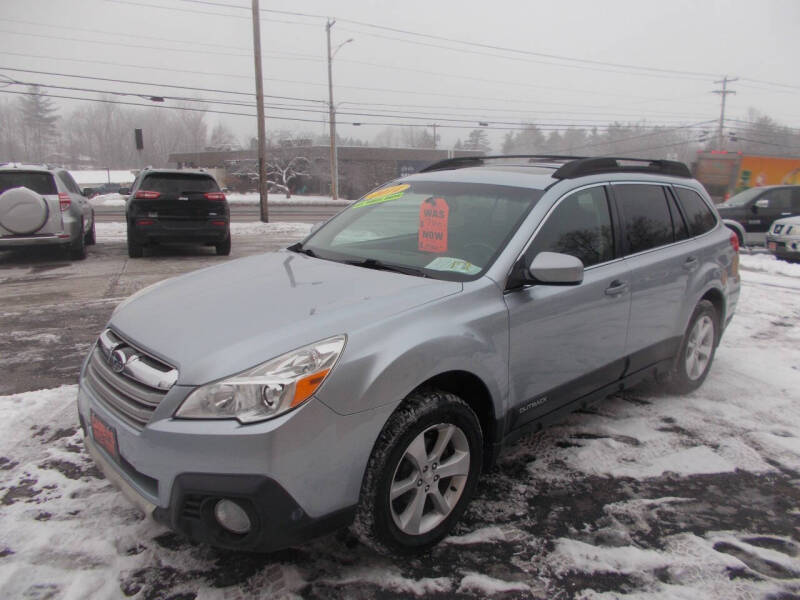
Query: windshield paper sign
point(433, 214)
point(457, 265)
point(394, 192)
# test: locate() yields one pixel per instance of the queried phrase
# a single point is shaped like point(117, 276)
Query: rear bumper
point(785, 247)
point(22, 241)
point(179, 231)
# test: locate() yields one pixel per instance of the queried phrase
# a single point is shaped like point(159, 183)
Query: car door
point(660, 264)
point(774, 203)
point(568, 341)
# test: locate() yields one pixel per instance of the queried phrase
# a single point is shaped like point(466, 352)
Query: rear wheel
point(224, 247)
point(135, 249)
point(421, 475)
point(77, 248)
point(90, 237)
point(697, 350)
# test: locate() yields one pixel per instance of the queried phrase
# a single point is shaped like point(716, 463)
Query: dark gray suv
point(368, 374)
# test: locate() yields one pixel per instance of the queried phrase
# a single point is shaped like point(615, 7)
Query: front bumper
point(297, 476)
point(784, 246)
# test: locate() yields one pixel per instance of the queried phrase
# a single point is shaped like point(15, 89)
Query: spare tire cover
point(22, 210)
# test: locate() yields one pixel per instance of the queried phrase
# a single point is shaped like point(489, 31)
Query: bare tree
point(283, 172)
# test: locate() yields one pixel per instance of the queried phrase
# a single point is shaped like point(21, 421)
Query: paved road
point(245, 212)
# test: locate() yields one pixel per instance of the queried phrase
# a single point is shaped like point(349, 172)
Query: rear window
point(178, 183)
point(648, 223)
point(41, 183)
point(698, 215)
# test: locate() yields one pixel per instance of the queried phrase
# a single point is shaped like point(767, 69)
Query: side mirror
point(554, 268)
point(124, 191)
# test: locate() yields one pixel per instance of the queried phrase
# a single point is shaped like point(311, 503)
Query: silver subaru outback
point(367, 375)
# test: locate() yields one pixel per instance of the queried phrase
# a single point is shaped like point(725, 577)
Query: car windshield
point(41, 183)
point(744, 197)
point(442, 230)
point(178, 183)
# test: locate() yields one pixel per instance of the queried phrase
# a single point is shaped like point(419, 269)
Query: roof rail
point(573, 166)
point(592, 166)
point(461, 162)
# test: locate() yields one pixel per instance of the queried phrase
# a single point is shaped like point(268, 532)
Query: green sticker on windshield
point(394, 192)
point(457, 265)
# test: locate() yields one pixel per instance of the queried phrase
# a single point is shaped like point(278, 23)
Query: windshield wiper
point(298, 247)
point(372, 263)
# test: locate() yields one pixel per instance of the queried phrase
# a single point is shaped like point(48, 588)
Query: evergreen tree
point(39, 124)
point(478, 139)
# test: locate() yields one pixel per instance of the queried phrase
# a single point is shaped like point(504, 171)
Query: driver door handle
point(616, 288)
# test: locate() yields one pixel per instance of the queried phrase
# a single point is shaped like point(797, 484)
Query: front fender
point(385, 362)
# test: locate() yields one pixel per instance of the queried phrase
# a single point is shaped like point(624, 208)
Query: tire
point(77, 248)
point(90, 239)
point(697, 349)
point(423, 421)
point(135, 249)
point(224, 247)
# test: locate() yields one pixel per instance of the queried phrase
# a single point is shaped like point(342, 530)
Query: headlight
point(267, 390)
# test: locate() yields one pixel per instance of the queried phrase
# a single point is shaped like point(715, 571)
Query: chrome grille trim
point(138, 366)
point(135, 392)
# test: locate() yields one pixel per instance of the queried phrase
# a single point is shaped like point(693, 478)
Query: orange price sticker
point(433, 215)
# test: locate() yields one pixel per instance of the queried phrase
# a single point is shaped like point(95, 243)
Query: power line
point(487, 46)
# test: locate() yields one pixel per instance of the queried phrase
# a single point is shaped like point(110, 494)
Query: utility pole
point(332, 115)
point(434, 134)
point(262, 134)
point(723, 93)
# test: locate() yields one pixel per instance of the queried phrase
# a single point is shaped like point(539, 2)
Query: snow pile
point(116, 231)
point(114, 199)
point(767, 263)
point(92, 177)
point(280, 199)
point(490, 586)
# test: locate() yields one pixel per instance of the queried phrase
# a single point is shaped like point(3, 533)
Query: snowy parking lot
point(645, 495)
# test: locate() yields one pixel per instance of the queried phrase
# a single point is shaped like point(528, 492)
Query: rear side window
point(177, 183)
point(579, 226)
point(646, 218)
point(780, 199)
point(699, 216)
point(796, 200)
point(41, 183)
point(67, 180)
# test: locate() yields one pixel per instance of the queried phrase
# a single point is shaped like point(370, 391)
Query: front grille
point(134, 387)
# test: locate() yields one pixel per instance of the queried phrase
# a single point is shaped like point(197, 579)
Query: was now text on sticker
point(433, 215)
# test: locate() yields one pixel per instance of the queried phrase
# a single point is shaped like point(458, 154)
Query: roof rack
point(573, 166)
point(461, 162)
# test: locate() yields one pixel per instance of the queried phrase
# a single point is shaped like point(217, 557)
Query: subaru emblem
point(117, 361)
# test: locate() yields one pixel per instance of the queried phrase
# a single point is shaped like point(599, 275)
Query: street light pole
point(332, 115)
point(332, 111)
point(262, 134)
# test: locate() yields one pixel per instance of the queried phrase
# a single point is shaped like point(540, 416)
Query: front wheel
point(697, 349)
point(421, 475)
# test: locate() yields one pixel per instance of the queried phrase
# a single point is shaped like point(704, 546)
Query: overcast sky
point(685, 44)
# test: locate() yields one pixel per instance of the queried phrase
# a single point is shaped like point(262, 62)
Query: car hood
point(219, 321)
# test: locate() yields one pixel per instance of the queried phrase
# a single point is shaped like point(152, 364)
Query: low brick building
point(361, 168)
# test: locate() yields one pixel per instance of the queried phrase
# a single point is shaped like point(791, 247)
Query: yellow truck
point(725, 174)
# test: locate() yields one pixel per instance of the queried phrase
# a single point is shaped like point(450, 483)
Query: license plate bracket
point(105, 436)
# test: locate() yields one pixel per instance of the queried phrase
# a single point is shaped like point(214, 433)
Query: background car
point(783, 239)
point(170, 205)
point(751, 213)
point(42, 206)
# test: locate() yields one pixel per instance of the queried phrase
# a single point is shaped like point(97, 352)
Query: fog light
point(232, 516)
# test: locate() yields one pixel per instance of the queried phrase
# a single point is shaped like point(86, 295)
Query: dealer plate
point(105, 436)
point(772, 246)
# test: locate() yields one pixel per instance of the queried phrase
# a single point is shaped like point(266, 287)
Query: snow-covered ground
point(242, 199)
point(645, 496)
point(116, 231)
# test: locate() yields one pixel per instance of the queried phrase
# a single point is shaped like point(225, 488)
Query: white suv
point(41, 206)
